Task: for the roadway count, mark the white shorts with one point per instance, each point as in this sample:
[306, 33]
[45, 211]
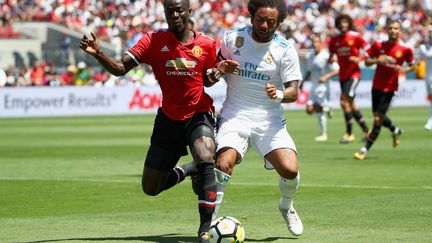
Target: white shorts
[319, 94]
[264, 136]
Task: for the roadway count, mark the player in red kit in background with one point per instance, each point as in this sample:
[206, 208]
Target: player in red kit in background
[389, 56]
[183, 62]
[347, 46]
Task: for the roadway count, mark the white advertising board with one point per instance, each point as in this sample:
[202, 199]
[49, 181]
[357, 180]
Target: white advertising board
[74, 101]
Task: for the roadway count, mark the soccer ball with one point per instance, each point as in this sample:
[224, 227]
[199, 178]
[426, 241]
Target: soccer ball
[226, 229]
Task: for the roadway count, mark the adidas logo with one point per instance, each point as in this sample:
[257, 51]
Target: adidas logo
[237, 53]
[165, 49]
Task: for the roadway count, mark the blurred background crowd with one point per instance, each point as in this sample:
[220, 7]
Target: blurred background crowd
[123, 22]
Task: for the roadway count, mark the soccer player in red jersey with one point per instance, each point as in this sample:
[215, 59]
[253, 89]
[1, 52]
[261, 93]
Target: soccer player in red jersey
[389, 56]
[347, 46]
[183, 62]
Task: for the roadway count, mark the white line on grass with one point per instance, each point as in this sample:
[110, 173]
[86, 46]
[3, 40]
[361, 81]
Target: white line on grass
[379, 187]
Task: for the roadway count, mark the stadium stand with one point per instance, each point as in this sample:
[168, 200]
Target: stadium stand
[120, 23]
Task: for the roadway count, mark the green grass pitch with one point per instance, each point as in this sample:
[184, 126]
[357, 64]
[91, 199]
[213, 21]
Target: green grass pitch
[78, 180]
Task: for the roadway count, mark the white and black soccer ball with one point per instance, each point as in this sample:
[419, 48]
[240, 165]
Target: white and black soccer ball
[226, 229]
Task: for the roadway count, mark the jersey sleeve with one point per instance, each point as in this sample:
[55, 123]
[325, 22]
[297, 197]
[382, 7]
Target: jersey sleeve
[331, 47]
[362, 43]
[211, 59]
[140, 52]
[409, 56]
[333, 66]
[290, 67]
[224, 49]
[373, 51]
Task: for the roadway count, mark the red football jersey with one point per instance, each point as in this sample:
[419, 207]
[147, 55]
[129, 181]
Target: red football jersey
[345, 46]
[179, 70]
[386, 76]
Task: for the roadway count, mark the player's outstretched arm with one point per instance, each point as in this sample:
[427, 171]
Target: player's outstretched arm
[228, 66]
[117, 68]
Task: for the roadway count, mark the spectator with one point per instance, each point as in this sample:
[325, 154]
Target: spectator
[83, 75]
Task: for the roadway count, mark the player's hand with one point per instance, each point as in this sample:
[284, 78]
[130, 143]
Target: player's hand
[400, 68]
[271, 90]
[228, 66]
[92, 47]
[384, 60]
[323, 79]
[213, 75]
[354, 59]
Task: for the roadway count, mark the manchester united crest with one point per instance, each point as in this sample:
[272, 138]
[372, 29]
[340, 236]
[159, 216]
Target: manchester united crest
[398, 54]
[239, 41]
[197, 51]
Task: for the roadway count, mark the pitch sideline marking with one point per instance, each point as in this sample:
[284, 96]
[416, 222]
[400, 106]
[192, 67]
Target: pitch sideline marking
[232, 183]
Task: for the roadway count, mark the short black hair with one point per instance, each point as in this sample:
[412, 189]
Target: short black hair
[280, 5]
[341, 17]
[392, 21]
[187, 3]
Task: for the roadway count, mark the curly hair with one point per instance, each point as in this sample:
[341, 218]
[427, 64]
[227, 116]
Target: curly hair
[341, 17]
[280, 5]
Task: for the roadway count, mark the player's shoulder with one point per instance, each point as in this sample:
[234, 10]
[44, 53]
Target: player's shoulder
[281, 41]
[158, 32]
[231, 34]
[353, 33]
[403, 44]
[203, 37]
[378, 42]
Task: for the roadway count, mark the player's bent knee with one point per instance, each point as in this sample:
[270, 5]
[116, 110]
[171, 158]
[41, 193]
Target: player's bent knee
[150, 190]
[224, 167]
[289, 174]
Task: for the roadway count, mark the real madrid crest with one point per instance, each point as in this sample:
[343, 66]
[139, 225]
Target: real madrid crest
[269, 58]
[239, 41]
[197, 51]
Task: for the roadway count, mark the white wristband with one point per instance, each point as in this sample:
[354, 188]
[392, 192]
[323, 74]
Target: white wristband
[279, 96]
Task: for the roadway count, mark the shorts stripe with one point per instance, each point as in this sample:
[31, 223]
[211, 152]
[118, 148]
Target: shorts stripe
[353, 87]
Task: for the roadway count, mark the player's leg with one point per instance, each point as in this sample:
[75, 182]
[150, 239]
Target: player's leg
[159, 173]
[358, 116]
[226, 159]
[284, 161]
[380, 105]
[428, 125]
[165, 150]
[279, 149]
[233, 141]
[202, 146]
[322, 121]
[346, 108]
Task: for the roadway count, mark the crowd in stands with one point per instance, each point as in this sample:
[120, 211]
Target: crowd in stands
[123, 22]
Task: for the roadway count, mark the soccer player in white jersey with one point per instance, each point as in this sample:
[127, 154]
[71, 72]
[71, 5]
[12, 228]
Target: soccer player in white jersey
[320, 71]
[426, 54]
[262, 71]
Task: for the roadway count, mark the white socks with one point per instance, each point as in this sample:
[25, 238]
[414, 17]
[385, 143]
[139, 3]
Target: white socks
[222, 179]
[322, 120]
[288, 190]
[219, 198]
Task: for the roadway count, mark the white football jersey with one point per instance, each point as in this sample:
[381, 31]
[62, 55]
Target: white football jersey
[275, 62]
[426, 54]
[318, 66]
